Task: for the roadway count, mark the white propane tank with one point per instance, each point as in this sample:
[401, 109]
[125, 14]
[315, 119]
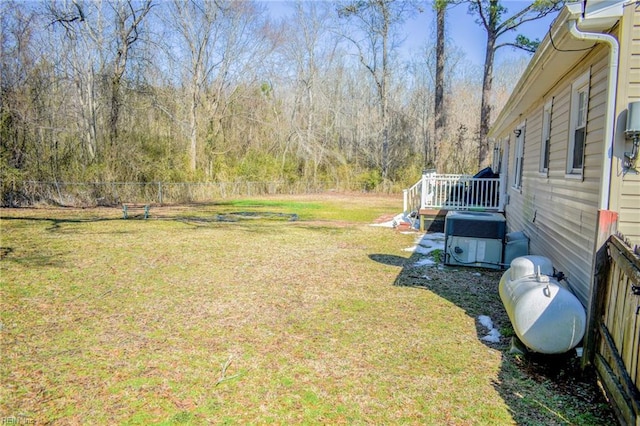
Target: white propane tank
[546, 317]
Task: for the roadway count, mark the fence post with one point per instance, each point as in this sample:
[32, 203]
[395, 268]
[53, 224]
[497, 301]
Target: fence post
[607, 226]
[12, 192]
[59, 193]
[160, 193]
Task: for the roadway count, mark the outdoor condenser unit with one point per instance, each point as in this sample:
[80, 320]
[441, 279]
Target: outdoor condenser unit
[474, 239]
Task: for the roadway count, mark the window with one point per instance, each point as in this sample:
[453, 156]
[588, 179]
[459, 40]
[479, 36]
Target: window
[578, 124]
[518, 156]
[546, 137]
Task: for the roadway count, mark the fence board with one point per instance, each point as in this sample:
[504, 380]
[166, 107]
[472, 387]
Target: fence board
[612, 297]
[618, 351]
[617, 329]
[621, 404]
[629, 319]
[632, 356]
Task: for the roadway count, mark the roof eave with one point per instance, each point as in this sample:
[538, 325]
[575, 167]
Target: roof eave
[534, 81]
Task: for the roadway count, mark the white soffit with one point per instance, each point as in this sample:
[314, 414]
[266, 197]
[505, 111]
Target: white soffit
[547, 64]
[601, 14]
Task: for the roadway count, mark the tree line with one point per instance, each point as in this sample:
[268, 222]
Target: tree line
[217, 90]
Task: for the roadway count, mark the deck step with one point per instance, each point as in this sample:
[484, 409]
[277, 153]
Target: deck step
[432, 220]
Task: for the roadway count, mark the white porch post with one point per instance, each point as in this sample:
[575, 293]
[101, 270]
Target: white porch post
[405, 201]
[427, 176]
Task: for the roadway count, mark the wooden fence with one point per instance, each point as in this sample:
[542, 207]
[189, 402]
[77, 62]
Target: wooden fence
[617, 349]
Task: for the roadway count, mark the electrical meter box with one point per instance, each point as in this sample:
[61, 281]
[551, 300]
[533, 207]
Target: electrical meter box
[474, 239]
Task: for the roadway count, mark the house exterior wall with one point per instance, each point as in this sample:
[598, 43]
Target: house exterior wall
[556, 210]
[560, 211]
[626, 187]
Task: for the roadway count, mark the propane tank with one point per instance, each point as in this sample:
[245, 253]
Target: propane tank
[545, 316]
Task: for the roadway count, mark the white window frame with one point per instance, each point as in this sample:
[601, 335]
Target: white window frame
[518, 157]
[578, 122]
[545, 149]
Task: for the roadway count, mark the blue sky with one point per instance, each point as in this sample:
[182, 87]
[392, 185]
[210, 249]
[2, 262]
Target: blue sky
[461, 27]
[465, 33]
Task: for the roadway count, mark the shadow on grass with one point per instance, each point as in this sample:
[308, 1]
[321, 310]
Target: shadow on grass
[538, 389]
[236, 216]
[56, 223]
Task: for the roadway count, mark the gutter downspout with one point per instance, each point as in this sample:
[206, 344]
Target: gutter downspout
[607, 219]
[611, 102]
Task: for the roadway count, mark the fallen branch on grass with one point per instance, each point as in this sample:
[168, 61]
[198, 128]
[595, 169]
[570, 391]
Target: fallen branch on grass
[223, 372]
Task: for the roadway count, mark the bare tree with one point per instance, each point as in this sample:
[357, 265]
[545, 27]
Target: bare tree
[439, 123]
[311, 50]
[378, 22]
[198, 24]
[195, 89]
[218, 41]
[129, 16]
[492, 15]
[16, 65]
[98, 36]
[76, 27]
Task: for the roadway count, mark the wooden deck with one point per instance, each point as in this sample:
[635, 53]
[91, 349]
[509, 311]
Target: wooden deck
[434, 195]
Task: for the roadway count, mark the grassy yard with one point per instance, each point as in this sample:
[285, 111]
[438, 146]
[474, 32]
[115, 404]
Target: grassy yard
[217, 314]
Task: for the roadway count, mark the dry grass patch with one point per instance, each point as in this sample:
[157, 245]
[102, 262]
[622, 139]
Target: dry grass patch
[185, 319]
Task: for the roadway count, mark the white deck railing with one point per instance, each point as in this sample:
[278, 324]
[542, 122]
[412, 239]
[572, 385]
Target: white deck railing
[453, 192]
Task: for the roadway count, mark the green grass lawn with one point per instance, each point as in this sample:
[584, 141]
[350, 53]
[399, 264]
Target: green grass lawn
[187, 319]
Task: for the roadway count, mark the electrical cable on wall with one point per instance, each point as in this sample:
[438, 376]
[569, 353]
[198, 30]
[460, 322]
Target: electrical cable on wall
[553, 44]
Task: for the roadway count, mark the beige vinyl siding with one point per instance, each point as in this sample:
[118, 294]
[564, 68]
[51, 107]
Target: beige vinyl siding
[559, 133]
[634, 61]
[533, 143]
[629, 91]
[596, 123]
[630, 210]
[557, 210]
[559, 213]
[633, 89]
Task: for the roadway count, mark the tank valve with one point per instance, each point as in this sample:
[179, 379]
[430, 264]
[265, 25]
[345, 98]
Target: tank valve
[540, 277]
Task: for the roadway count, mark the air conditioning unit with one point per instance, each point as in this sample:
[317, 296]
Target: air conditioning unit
[474, 239]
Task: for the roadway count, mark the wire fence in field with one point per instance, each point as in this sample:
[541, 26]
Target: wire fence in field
[86, 194]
